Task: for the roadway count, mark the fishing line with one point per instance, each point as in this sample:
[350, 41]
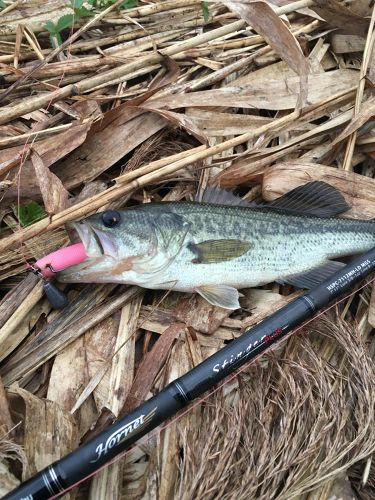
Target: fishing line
[198, 402]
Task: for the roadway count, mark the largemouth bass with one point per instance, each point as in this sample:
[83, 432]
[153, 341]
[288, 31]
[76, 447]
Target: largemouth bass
[221, 245]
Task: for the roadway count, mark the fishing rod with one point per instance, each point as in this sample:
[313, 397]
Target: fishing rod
[91, 456]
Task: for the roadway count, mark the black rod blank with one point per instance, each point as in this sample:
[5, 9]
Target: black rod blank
[55, 479]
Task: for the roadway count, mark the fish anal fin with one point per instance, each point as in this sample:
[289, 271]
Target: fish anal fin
[220, 295]
[314, 277]
[314, 198]
[211, 251]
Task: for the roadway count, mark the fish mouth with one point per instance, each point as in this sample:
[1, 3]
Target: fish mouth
[96, 242]
[100, 254]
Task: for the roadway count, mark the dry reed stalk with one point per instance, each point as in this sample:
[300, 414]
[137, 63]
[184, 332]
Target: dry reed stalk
[61, 47]
[120, 381]
[34, 103]
[366, 60]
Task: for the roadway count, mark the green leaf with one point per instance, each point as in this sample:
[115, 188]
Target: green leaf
[51, 27]
[2, 5]
[83, 12]
[76, 4]
[58, 38]
[30, 213]
[129, 4]
[206, 12]
[64, 22]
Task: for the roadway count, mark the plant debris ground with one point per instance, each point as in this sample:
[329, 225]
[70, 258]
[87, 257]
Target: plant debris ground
[110, 103]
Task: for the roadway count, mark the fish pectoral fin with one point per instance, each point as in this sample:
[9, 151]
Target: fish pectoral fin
[314, 198]
[220, 295]
[314, 277]
[211, 251]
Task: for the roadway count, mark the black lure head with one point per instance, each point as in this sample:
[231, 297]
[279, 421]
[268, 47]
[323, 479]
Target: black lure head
[56, 297]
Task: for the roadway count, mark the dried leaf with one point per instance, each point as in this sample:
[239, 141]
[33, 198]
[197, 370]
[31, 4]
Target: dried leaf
[50, 432]
[169, 446]
[180, 119]
[69, 375]
[343, 44]
[15, 297]
[151, 364]
[55, 196]
[121, 373]
[198, 313]
[6, 423]
[107, 146]
[267, 23]
[53, 148]
[276, 94]
[367, 111]
[50, 151]
[250, 168]
[215, 123]
[340, 16]
[371, 71]
[172, 73]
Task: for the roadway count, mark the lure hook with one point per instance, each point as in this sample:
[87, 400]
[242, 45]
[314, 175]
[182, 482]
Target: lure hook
[56, 297]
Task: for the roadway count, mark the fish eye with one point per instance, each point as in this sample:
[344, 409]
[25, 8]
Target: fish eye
[111, 218]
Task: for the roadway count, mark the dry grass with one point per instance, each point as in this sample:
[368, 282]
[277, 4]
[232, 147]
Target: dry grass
[286, 428]
[155, 103]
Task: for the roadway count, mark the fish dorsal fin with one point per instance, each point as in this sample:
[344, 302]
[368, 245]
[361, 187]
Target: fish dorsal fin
[218, 196]
[314, 198]
[315, 276]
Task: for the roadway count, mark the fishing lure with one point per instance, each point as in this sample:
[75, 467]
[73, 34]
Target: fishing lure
[47, 268]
